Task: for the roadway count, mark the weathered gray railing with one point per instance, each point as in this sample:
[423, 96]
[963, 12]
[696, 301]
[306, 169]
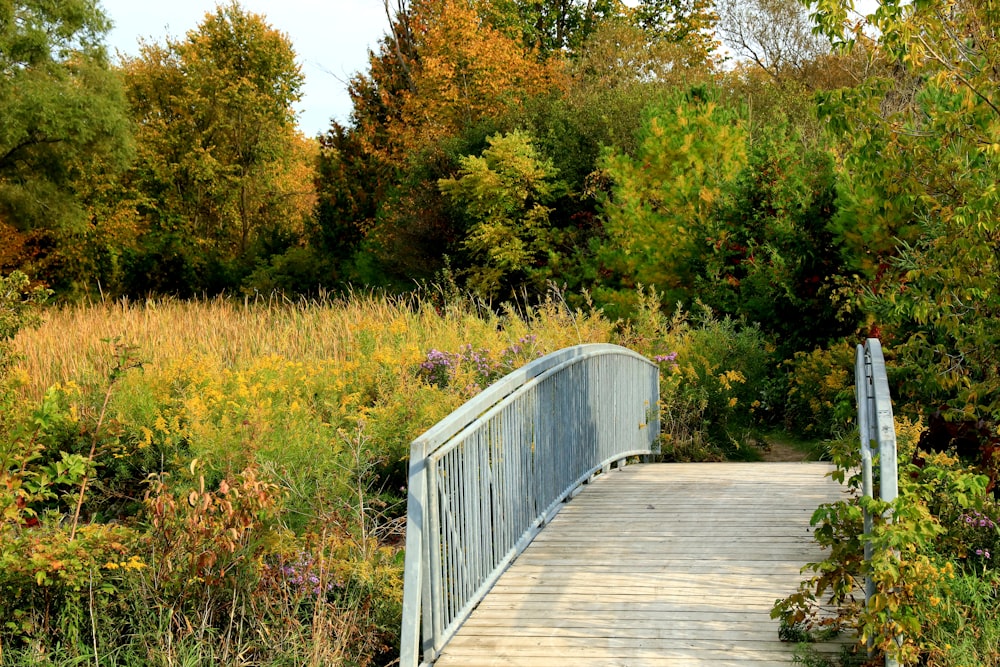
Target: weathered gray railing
[876, 425]
[484, 480]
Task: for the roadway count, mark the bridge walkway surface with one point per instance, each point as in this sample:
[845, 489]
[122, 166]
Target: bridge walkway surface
[657, 565]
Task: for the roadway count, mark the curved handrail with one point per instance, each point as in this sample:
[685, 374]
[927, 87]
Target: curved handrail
[875, 424]
[484, 480]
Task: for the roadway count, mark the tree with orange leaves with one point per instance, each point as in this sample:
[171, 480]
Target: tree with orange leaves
[465, 71]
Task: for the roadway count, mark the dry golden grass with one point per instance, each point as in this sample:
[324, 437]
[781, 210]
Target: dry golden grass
[71, 344]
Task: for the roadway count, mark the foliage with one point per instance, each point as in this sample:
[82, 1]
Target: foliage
[747, 219]
[51, 571]
[448, 76]
[920, 198]
[504, 194]
[688, 21]
[465, 70]
[713, 379]
[769, 247]
[62, 108]
[820, 390]
[548, 28]
[776, 35]
[715, 388]
[786, 107]
[349, 187]
[932, 564]
[658, 214]
[226, 195]
[63, 130]
[967, 633]
[444, 368]
[220, 163]
[215, 537]
[19, 305]
[619, 73]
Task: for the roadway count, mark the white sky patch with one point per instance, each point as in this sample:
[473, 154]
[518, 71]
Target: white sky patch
[331, 39]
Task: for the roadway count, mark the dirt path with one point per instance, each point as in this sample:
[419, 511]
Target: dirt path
[783, 452]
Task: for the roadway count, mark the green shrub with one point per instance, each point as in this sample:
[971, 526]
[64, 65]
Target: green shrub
[933, 565]
[715, 384]
[820, 391]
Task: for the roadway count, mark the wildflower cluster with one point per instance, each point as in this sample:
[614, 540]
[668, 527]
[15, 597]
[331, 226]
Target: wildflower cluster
[440, 368]
[437, 369]
[302, 577]
[979, 534]
[666, 359]
[485, 369]
[523, 344]
[975, 518]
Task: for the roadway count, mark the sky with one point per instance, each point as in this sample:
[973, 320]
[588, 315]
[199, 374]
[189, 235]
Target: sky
[331, 39]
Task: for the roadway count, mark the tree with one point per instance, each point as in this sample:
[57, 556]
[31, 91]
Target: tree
[443, 80]
[772, 260]
[63, 121]
[658, 216]
[504, 195]
[774, 34]
[920, 198]
[618, 74]
[548, 28]
[467, 71]
[378, 95]
[217, 140]
[679, 21]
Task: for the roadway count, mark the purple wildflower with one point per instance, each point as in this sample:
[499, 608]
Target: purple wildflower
[301, 577]
[666, 359]
[976, 518]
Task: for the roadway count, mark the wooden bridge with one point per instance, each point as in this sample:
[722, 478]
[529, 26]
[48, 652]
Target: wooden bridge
[638, 565]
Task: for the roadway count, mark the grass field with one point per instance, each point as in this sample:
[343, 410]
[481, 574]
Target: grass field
[222, 481]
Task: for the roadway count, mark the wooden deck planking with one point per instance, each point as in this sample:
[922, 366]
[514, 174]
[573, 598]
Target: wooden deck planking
[658, 565]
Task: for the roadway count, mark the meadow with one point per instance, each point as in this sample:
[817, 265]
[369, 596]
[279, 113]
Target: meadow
[224, 480]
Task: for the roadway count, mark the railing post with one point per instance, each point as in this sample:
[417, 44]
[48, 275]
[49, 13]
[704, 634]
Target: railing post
[863, 394]
[875, 424]
[409, 646]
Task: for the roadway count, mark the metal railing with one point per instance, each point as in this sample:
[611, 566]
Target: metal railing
[485, 480]
[876, 425]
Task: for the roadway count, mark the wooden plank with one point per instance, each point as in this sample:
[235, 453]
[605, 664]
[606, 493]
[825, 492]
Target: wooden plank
[657, 565]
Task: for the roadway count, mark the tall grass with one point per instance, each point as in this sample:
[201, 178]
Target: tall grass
[69, 345]
[262, 444]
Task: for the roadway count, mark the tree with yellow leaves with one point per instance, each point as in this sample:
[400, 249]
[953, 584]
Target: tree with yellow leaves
[218, 147]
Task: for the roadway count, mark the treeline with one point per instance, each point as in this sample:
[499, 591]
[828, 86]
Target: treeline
[816, 184]
[499, 145]
[173, 172]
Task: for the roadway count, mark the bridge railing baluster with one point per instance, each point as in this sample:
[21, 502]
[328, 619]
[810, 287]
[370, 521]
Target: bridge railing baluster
[484, 480]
